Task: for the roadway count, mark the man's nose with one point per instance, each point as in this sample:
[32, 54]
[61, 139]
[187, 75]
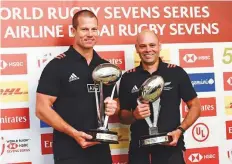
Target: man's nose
[148, 48]
[90, 33]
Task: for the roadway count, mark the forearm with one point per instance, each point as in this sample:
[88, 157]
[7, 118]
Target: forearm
[50, 117]
[191, 117]
[126, 117]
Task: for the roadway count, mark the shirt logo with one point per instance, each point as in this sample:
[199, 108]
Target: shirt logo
[167, 86]
[73, 77]
[91, 88]
[134, 89]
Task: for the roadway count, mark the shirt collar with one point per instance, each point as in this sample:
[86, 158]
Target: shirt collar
[73, 53]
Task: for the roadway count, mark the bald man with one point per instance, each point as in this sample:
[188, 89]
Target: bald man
[177, 86]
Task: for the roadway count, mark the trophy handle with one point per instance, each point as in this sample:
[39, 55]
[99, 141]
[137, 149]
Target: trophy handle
[148, 120]
[107, 117]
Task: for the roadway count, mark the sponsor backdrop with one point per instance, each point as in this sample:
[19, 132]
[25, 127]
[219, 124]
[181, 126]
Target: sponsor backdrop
[194, 35]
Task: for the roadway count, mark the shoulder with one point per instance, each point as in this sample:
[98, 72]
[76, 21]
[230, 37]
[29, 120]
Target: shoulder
[172, 68]
[129, 73]
[56, 62]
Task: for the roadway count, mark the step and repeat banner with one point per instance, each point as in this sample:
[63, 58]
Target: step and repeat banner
[195, 35]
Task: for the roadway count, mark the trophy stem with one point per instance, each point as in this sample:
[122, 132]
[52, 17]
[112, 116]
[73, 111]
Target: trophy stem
[101, 104]
[148, 120]
[156, 110]
[111, 97]
[97, 104]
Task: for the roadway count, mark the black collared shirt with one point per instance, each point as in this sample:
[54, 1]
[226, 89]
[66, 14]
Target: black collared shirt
[70, 80]
[177, 86]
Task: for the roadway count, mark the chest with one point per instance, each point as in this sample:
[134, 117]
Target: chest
[170, 90]
[77, 79]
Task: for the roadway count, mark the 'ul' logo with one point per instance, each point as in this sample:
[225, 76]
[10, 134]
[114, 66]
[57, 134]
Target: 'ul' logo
[200, 132]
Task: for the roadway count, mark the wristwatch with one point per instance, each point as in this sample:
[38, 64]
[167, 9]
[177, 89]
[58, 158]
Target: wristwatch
[181, 129]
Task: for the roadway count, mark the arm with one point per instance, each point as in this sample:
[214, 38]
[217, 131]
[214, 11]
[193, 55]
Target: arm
[193, 113]
[189, 95]
[45, 113]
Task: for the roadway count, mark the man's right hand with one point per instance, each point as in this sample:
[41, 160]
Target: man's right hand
[142, 111]
[82, 137]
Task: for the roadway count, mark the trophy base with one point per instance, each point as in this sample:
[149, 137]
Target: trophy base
[155, 139]
[103, 136]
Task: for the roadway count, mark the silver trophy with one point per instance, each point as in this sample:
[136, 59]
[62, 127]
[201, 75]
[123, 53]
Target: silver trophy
[150, 91]
[104, 74]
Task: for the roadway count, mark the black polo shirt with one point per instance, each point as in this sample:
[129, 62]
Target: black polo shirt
[70, 80]
[177, 86]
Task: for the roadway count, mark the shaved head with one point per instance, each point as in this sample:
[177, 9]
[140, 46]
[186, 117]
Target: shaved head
[148, 47]
[145, 33]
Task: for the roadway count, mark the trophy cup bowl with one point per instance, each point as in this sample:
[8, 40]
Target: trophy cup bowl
[150, 91]
[107, 74]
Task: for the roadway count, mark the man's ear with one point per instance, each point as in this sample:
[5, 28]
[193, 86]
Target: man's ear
[73, 30]
[136, 46]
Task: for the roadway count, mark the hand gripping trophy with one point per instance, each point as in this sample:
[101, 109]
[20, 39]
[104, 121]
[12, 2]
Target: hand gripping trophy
[107, 74]
[150, 91]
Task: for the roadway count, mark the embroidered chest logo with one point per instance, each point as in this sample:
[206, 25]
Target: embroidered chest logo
[134, 89]
[91, 88]
[167, 86]
[73, 77]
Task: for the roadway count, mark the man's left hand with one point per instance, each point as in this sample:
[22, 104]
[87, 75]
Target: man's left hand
[110, 106]
[175, 136]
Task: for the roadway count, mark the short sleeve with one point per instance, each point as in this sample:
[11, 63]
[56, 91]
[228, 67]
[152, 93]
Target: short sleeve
[187, 92]
[49, 82]
[124, 94]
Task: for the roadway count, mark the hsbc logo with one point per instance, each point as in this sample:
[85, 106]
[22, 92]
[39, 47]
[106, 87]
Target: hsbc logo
[202, 155]
[3, 64]
[196, 57]
[200, 132]
[227, 81]
[190, 58]
[13, 64]
[195, 157]
[10, 146]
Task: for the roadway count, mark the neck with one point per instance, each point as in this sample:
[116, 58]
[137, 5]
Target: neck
[86, 53]
[151, 68]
